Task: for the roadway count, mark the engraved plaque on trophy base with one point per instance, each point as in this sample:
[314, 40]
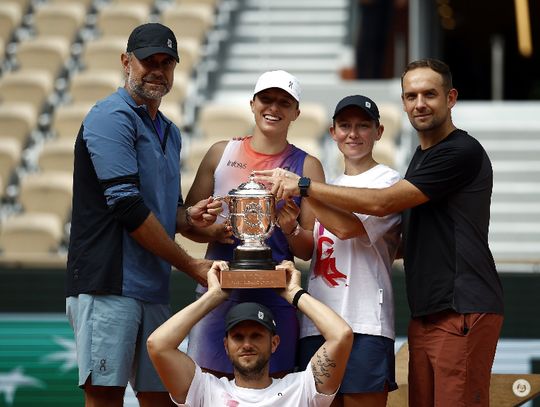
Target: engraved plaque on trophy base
[253, 269]
[253, 278]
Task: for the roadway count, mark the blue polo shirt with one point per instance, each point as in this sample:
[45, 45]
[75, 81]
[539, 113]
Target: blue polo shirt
[123, 170]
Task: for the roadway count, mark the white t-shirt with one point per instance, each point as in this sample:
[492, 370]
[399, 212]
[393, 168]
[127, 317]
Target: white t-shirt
[294, 390]
[353, 276]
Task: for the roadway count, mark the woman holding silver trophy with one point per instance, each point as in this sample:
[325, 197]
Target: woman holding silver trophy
[226, 168]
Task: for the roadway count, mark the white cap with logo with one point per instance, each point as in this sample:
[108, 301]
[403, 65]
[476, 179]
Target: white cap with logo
[279, 79]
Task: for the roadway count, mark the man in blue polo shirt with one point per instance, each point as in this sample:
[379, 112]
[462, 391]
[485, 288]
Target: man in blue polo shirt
[127, 207]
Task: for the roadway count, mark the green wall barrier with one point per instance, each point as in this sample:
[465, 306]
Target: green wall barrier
[37, 363]
[33, 290]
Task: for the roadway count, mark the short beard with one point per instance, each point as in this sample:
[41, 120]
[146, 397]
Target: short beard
[139, 89]
[251, 373]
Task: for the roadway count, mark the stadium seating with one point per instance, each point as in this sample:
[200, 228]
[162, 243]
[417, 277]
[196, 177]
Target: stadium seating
[26, 85]
[47, 192]
[85, 3]
[46, 52]
[120, 19]
[10, 18]
[179, 90]
[307, 130]
[17, 119]
[23, 4]
[173, 112]
[313, 122]
[57, 155]
[62, 20]
[10, 154]
[30, 234]
[189, 20]
[146, 3]
[187, 178]
[220, 121]
[103, 53]
[385, 152]
[189, 51]
[67, 119]
[212, 3]
[91, 85]
[391, 118]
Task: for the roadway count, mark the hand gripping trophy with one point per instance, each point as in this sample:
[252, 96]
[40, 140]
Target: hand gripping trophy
[252, 215]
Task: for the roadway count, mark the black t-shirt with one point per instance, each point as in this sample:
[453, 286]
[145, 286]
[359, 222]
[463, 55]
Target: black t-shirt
[448, 263]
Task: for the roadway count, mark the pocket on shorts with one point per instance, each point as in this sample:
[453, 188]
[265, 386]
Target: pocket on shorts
[470, 320]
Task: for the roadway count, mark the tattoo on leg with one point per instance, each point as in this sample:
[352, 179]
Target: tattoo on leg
[321, 365]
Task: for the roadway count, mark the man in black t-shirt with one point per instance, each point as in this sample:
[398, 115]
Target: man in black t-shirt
[453, 288]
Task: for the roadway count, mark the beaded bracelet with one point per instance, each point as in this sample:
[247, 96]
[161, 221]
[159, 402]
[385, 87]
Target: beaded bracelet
[294, 232]
[189, 221]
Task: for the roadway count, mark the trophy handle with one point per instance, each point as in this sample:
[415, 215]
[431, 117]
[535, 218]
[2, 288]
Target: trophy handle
[225, 199]
[221, 198]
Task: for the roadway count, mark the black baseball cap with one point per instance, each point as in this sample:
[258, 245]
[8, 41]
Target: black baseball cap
[152, 38]
[363, 102]
[250, 311]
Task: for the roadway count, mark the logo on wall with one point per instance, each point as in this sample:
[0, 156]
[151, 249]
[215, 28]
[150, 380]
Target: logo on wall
[521, 388]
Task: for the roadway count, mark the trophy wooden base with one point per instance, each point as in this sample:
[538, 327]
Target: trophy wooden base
[240, 278]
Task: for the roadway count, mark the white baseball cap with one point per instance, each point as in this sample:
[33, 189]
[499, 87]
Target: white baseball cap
[279, 79]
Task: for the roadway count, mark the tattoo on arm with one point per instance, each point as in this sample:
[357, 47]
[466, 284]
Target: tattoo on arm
[322, 365]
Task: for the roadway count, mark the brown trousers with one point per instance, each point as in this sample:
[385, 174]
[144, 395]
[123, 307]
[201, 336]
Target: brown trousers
[450, 358]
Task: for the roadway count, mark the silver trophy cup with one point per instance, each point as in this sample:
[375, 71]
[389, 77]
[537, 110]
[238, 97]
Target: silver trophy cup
[252, 215]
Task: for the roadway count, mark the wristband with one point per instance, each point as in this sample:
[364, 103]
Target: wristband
[297, 296]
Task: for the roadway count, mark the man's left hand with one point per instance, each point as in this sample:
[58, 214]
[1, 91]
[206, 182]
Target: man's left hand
[204, 213]
[294, 279]
[284, 183]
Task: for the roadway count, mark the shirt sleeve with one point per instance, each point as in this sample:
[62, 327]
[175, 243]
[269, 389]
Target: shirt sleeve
[376, 227]
[315, 398]
[110, 138]
[447, 168]
[195, 391]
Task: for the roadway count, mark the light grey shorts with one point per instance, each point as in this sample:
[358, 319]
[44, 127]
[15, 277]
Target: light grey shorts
[110, 334]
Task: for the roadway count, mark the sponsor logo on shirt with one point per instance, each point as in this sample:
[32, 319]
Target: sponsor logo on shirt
[236, 164]
[325, 263]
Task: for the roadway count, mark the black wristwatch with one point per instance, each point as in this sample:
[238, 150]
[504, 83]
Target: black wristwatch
[303, 184]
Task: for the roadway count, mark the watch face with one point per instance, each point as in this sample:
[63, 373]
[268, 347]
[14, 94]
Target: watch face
[304, 182]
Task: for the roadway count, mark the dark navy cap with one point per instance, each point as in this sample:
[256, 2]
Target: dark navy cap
[250, 311]
[152, 38]
[363, 102]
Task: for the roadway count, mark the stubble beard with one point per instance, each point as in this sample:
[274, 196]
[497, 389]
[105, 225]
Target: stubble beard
[253, 372]
[433, 124]
[138, 88]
